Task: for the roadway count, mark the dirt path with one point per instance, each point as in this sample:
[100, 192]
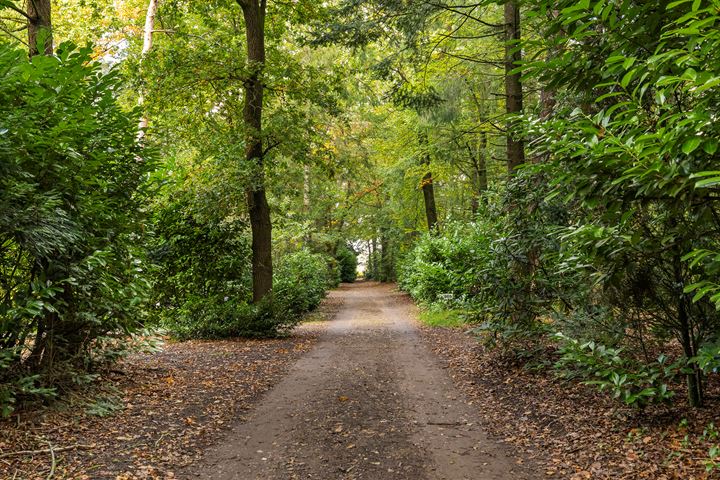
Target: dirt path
[370, 401]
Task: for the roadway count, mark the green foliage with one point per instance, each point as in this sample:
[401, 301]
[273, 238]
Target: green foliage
[198, 257]
[708, 358]
[71, 187]
[631, 382]
[445, 264]
[638, 162]
[347, 261]
[105, 406]
[301, 281]
[302, 278]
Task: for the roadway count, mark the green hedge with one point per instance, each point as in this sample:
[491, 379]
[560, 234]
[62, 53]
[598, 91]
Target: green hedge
[301, 280]
[347, 261]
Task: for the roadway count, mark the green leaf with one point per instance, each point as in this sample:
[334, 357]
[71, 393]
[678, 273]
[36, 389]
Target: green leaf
[672, 5]
[710, 146]
[627, 78]
[708, 182]
[690, 145]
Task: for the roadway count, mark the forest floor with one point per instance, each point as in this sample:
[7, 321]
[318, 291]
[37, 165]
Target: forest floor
[369, 395]
[155, 412]
[573, 431]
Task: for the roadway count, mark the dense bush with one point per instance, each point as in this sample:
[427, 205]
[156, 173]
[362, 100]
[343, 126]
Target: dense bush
[520, 274]
[445, 264]
[633, 382]
[301, 280]
[71, 174]
[347, 261]
[199, 258]
[640, 164]
[214, 300]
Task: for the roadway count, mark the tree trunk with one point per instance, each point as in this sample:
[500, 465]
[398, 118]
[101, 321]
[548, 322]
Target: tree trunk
[40, 23]
[480, 179]
[687, 338]
[147, 46]
[306, 189]
[513, 87]
[40, 20]
[259, 210]
[427, 185]
[386, 270]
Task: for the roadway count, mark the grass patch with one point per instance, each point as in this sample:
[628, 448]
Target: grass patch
[438, 317]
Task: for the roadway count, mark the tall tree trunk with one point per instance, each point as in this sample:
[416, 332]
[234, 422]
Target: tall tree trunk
[39, 14]
[262, 270]
[306, 201]
[147, 46]
[480, 178]
[386, 266]
[40, 20]
[482, 185]
[513, 87]
[306, 189]
[427, 185]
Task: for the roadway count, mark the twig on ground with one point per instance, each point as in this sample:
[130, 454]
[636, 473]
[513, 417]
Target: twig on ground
[47, 450]
[52, 461]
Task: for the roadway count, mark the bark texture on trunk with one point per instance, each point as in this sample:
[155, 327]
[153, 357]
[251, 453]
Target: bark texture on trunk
[428, 188]
[513, 87]
[147, 46]
[262, 269]
[479, 172]
[40, 18]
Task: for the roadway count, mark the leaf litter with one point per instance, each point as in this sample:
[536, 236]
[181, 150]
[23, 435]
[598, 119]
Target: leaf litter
[573, 430]
[154, 413]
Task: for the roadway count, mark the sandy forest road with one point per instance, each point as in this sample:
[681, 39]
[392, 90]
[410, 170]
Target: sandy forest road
[370, 401]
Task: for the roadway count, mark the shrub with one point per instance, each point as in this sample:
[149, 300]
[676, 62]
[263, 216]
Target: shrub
[347, 260]
[632, 382]
[300, 282]
[444, 264]
[198, 256]
[71, 190]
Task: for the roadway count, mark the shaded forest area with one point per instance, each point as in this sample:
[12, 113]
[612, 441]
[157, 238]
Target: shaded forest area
[542, 174]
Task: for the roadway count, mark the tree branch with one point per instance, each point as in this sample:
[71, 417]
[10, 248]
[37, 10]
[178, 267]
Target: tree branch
[20, 11]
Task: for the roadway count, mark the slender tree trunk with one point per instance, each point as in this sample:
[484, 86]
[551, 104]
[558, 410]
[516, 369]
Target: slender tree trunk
[687, 339]
[386, 272]
[513, 87]
[147, 46]
[40, 23]
[306, 201]
[306, 188]
[262, 270]
[480, 178]
[482, 164]
[427, 185]
[40, 13]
